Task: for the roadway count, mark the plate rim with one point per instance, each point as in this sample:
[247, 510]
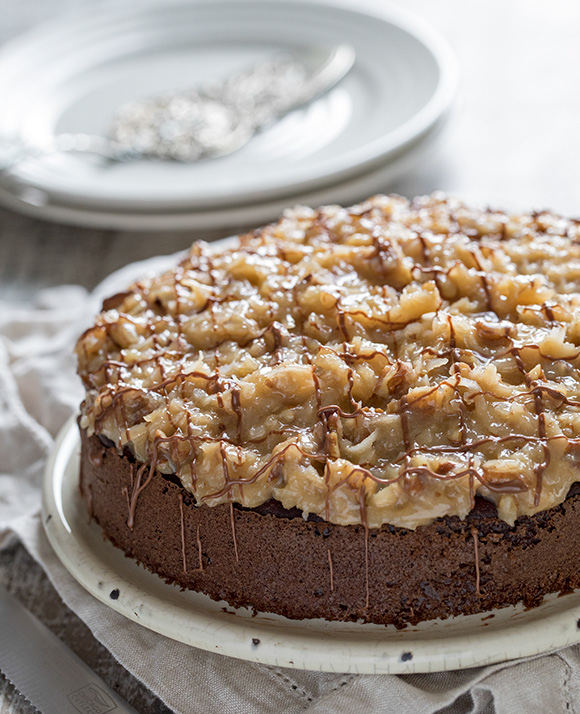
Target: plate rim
[289, 643]
[358, 188]
[332, 169]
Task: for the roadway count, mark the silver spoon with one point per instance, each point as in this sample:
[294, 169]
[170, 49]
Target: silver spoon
[207, 122]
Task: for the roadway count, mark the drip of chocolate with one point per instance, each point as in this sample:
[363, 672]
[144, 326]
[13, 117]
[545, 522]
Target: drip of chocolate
[182, 528]
[330, 570]
[475, 537]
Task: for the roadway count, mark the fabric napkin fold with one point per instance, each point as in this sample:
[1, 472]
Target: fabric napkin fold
[39, 390]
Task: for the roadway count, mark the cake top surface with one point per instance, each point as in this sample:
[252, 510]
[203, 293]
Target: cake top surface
[378, 364]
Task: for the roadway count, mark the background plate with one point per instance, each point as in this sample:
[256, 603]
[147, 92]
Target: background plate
[196, 620]
[70, 76]
[38, 203]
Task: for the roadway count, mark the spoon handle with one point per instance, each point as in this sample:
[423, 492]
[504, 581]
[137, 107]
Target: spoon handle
[14, 152]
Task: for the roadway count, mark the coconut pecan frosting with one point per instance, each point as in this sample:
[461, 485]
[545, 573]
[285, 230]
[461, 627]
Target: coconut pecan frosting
[379, 364]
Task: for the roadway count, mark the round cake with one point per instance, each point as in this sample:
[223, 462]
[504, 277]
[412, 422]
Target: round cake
[367, 413]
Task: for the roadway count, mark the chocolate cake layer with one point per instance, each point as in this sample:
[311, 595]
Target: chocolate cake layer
[275, 561]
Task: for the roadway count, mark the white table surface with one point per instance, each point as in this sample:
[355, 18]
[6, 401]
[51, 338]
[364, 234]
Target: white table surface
[513, 141]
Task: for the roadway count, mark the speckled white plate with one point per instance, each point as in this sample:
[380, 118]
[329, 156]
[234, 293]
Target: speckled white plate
[308, 644]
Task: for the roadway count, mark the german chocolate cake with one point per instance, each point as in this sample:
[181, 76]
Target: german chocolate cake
[367, 413]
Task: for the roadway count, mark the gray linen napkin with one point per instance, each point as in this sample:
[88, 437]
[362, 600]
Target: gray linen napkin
[38, 391]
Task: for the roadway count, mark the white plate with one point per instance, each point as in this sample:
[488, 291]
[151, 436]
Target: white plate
[308, 644]
[70, 75]
[39, 204]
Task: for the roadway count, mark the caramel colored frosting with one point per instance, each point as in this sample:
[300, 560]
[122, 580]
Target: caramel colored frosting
[378, 364]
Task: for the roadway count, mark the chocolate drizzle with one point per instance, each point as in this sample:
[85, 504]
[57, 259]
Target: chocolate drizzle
[402, 302]
[139, 485]
[474, 535]
[233, 526]
[365, 522]
[182, 529]
[330, 570]
[236, 406]
[199, 549]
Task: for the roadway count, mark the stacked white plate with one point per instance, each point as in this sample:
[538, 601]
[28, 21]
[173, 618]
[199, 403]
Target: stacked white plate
[71, 75]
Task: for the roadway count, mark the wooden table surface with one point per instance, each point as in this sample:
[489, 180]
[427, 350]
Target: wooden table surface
[512, 141]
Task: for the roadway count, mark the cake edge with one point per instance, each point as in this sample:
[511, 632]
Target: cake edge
[313, 569]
